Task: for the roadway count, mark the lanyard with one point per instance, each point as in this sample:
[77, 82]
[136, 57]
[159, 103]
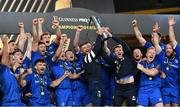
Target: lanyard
[42, 83]
[118, 64]
[167, 63]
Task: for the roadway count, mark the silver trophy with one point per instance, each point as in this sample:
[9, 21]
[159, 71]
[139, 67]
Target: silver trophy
[97, 23]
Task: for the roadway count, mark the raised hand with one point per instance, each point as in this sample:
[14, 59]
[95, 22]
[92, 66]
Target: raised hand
[40, 20]
[5, 39]
[21, 25]
[79, 28]
[155, 38]
[156, 27]
[35, 21]
[134, 23]
[100, 30]
[171, 21]
[106, 30]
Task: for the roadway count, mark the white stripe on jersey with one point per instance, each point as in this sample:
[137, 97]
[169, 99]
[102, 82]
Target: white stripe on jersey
[93, 54]
[85, 59]
[89, 57]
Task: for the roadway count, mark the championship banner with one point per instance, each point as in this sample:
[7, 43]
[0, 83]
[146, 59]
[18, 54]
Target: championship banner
[70, 19]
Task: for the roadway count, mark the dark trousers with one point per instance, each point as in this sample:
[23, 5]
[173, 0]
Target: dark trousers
[125, 92]
[96, 93]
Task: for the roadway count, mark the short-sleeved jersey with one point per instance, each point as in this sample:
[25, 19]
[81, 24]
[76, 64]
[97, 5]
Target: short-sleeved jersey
[148, 45]
[58, 71]
[149, 82]
[9, 85]
[36, 82]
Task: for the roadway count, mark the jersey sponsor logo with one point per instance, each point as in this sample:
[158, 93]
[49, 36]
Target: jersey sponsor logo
[36, 81]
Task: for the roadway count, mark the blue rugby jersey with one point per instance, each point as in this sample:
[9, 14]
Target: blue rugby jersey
[9, 87]
[58, 71]
[170, 67]
[149, 82]
[148, 45]
[36, 82]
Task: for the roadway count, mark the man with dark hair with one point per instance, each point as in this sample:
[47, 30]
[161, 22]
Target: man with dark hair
[9, 87]
[8, 82]
[39, 84]
[39, 52]
[137, 55]
[12, 46]
[92, 67]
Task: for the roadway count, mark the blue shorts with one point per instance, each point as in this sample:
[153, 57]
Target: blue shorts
[80, 97]
[168, 99]
[153, 96]
[63, 97]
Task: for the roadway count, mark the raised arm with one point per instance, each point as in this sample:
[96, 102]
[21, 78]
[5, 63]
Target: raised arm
[39, 27]
[150, 72]
[138, 34]
[76, 38]
[17, 39]
[156, 27]
[22, 36]
[172, 37]
[29, 47]
[5, 53]
[56, 25]
[59, 49]
[99, 41]
[155, 41]
[35, 35]
[106, 49]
